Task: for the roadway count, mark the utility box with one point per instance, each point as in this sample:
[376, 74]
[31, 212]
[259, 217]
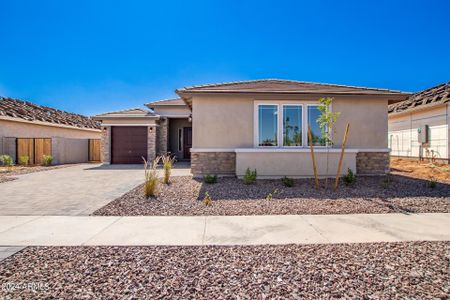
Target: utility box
[422, 134]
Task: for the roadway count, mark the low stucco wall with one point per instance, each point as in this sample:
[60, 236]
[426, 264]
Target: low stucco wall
[292, 164]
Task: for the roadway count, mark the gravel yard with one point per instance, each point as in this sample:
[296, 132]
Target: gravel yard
[231, 197]
[371, 271]
[7, 173]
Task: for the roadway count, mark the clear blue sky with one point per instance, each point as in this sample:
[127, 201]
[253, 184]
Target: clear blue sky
[96, 56]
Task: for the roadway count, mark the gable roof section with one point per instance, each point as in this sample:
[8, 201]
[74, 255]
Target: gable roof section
[132, 112]
[284, 86]
[166, 102]
[28, 111]
[436, 95]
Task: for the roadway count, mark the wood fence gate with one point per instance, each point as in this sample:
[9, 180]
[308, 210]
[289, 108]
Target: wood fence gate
[34, 148]
[94, 149]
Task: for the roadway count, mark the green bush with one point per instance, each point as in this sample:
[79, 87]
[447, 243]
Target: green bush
[250, 176]
[24, 160]
[47, 160]
[288, 182]
[6, 160]
[432, 183]
[349, 178]
[211, 179]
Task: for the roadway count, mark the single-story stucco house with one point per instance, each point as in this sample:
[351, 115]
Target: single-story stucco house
[421, 123]
[28, 129]
[226, 128]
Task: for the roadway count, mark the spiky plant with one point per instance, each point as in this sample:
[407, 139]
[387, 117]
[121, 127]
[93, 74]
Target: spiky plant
[207, 200]
[167, 167]
[151, 177]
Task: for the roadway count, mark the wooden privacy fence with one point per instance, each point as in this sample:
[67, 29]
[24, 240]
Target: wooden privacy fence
[34, 148]
[94, 149]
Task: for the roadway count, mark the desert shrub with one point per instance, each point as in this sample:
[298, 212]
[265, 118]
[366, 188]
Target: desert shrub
[349, 178]
[250, 176]
[207, 200]
[151, 177]
[211, 179]
[288, 182]
[24, 160]
[47, 160]
[432, 183]
[6, 160]
[270, 195]
[167, 167]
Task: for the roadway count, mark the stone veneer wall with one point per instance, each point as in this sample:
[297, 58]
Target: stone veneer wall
[162, 136]
[105, 155]
[151, 143]
[214, 163]
[372, 163]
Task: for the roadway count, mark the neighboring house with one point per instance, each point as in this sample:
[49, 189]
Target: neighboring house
[258, 124]
[427, 111]
[33, 130]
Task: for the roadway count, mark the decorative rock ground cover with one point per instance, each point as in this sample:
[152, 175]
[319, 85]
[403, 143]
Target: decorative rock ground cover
[5, 173]
[416, 270]
[231, 197]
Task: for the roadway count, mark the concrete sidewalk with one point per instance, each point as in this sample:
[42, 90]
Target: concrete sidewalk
[221, 230]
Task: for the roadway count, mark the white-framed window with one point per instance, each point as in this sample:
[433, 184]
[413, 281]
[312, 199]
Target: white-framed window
[180, 139]
[285, 124]
[268, 125]
[316, 132]
[292, 125]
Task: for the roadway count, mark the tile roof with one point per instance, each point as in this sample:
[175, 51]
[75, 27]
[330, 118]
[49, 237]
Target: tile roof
[284, 86]
[129, 111]
[33, 112]
[175, 101]
[436, 95]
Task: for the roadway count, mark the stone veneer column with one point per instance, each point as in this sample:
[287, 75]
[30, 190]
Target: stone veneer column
[151, 143]
[372, 163]
[213, 163]
[162, 136]
[106, 145]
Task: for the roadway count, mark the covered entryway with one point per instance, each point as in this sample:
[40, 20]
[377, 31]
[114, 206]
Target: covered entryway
[128, 144]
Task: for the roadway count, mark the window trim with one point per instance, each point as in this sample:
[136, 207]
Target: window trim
[281, 104]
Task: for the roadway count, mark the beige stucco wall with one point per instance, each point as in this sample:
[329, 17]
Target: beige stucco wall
[128, 121]
[292, 164]
[172, 110]
[227, 121]
[28, 130]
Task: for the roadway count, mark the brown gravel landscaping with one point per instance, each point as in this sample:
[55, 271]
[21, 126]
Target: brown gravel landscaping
[368, 271]
[6, 173]
[231, 197]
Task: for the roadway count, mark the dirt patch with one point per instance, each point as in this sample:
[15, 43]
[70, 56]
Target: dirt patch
[420, 169]
[416, 270]
[231, 197]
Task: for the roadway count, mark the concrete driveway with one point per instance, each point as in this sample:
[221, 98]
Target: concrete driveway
[75, 190]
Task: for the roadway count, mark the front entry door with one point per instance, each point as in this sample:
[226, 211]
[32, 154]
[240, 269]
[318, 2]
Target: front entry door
[187, 142]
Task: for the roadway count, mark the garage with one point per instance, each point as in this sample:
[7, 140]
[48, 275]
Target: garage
[128, 144]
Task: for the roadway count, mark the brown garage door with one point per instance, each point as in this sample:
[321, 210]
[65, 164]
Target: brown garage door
[128, 144]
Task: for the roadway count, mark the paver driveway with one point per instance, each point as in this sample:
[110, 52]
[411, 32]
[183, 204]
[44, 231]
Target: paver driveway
[75, 190]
